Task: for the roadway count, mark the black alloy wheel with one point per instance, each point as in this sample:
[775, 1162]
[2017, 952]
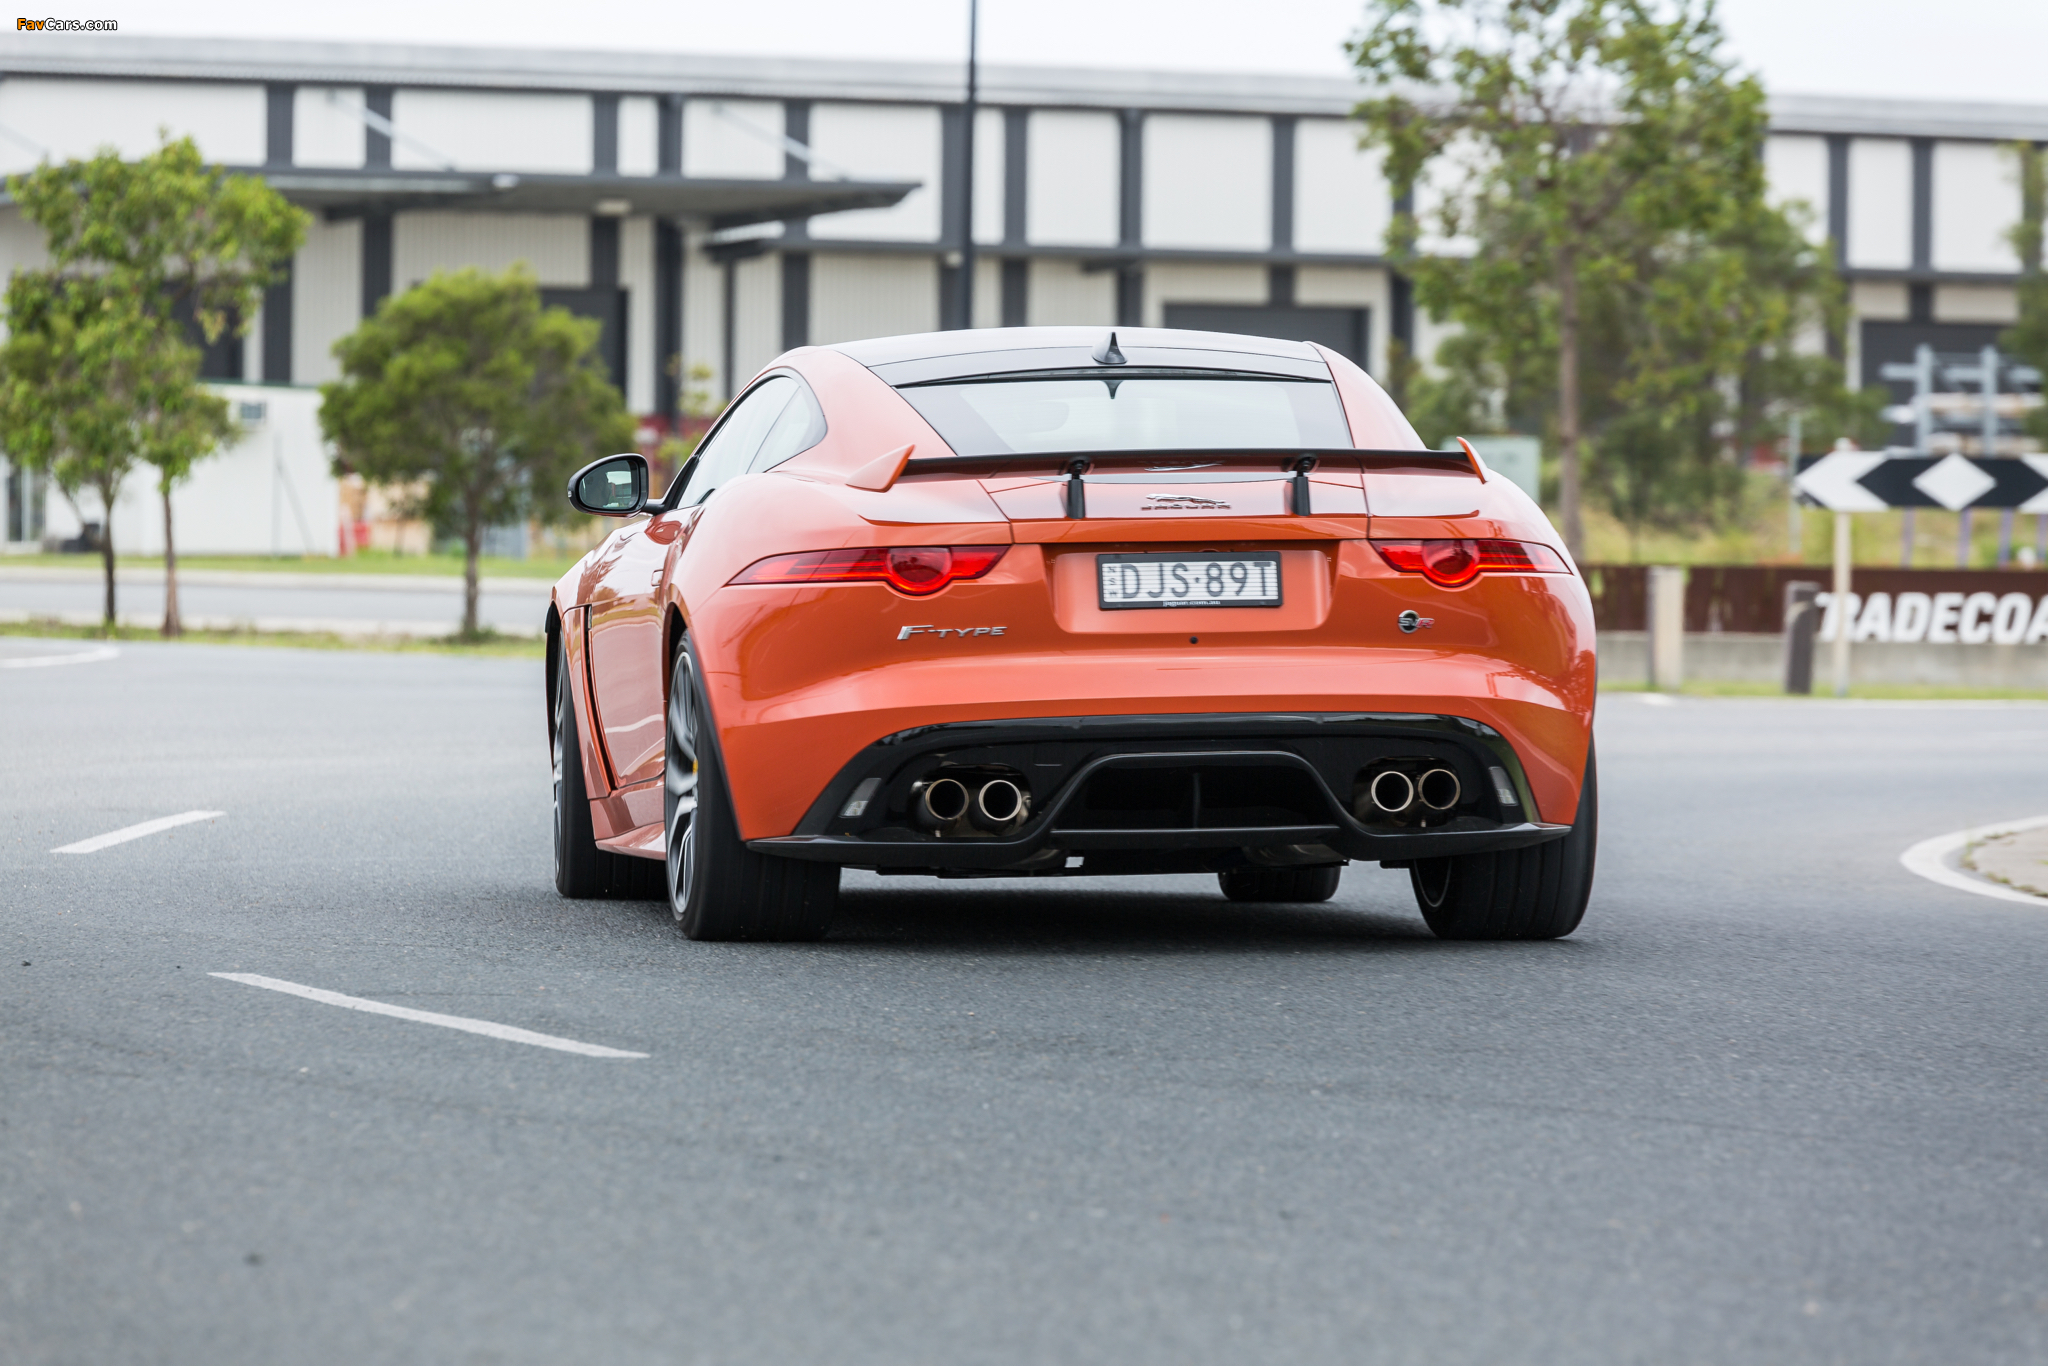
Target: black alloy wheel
[717, 887]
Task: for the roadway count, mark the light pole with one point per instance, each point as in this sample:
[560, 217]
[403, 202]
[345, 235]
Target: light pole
[965, 292]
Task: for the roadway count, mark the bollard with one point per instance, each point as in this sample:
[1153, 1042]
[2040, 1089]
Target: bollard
[1802, 626]
[1667, 626]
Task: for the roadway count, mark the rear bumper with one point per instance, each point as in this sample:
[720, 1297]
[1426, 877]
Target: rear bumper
[863, 818]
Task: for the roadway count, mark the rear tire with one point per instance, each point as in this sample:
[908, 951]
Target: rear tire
[717, 887]
[1534, 893]
[1282, 884]
[582, 870]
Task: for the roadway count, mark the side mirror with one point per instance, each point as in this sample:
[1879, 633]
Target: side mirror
[615, 486]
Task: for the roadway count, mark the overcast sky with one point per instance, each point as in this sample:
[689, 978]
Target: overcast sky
[1955, 49]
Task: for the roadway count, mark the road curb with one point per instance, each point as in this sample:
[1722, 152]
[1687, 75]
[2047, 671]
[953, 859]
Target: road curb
[1937, 860]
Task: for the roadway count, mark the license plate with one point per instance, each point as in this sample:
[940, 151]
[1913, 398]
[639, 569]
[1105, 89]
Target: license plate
[1209, 579]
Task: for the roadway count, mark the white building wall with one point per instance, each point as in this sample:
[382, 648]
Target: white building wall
[327, 295]
[988, 292]
[1881, 203]
[1976, 304]
[77, 118]
[1177, 282]
[1445, 180]
[636, 273]
[855, 296]
[22, 247]
[492, 131]
[703, 314]
[327, 130]
[1879, 301]
[1796, 169]
[1064, 295]
[1341, 199]
[557, 246]
[1351, 287]
[270, 491]
[732, 139]
[990, 156]
[1071, 173]
[639, 135]
[881, 142]
[1208, 181]
[1976, 203]
[757, 316]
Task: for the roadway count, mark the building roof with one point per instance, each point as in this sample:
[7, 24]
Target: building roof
[244, 59]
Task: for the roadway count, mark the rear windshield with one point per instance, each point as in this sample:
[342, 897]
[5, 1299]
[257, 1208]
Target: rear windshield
[1049, 414]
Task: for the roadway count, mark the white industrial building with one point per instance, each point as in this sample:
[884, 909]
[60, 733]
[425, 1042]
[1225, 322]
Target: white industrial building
[713, 211]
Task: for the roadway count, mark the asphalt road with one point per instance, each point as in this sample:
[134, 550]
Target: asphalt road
[349, 604]
[1778, 1100]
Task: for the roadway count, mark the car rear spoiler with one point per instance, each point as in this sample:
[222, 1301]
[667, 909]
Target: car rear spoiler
[883, 472]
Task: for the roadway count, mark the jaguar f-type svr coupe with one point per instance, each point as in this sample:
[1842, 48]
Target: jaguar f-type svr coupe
[1036, 602]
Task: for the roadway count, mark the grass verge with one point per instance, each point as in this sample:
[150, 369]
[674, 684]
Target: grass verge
[1908, 692]
[487, 645]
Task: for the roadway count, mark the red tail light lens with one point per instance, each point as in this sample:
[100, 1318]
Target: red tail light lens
[918, 570]
[1451, 563]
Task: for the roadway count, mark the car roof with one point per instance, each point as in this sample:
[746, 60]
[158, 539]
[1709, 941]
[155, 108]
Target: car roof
[926, 356]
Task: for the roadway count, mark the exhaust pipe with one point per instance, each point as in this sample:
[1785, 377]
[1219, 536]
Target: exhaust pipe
[1000, 804]
[1439, 789]
[1391, 792]
[942, 802]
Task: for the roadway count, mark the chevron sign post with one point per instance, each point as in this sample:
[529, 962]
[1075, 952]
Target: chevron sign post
[1870, 481]
[1847, 481]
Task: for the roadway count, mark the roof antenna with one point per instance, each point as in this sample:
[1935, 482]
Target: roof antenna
[1107, 354]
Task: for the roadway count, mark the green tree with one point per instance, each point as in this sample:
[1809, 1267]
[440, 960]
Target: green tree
[100, 371]
[1585, 139]
[466, 383]
[2028, 338]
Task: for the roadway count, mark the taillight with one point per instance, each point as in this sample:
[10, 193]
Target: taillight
[914, 569]
[1450, 563]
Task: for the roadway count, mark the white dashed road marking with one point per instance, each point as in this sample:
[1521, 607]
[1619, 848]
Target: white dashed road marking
[1929, 858]
[484, 1027]
[135, 832]
[92, 656]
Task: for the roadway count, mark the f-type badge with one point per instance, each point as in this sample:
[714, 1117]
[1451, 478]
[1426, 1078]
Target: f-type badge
[957, 632]
[1411, 622]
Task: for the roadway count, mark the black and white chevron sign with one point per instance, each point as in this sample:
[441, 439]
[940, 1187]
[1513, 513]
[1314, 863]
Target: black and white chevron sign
[1871, 481]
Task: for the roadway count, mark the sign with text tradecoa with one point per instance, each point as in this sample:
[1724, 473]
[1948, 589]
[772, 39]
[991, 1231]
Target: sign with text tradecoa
[1871, 481]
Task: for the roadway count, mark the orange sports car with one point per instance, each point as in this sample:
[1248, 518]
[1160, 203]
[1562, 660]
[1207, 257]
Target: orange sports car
[1033, 602]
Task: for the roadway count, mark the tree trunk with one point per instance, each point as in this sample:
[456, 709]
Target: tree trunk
[1568, 401]
[107, 550]
[472, 545]
[173, 626]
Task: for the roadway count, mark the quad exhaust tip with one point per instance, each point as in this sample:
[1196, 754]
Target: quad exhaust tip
[999, 803]
[943, 801]
[996, 805]
[1439, 789]
[1392, 791]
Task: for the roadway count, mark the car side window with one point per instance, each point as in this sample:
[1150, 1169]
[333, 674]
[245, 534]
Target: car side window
[730, 451]
[800, 426]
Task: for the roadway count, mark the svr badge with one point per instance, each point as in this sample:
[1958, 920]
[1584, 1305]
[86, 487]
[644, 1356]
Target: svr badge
[1411, 622]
